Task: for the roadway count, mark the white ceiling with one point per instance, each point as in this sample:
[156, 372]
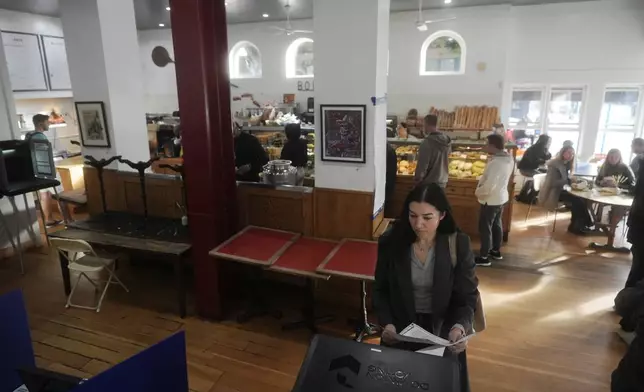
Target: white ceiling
[149, 13]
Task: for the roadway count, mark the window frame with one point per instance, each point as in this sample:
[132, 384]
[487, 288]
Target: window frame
[636, 131]
[291, 57]
[423, 53]
[233, 70]
[546, 95]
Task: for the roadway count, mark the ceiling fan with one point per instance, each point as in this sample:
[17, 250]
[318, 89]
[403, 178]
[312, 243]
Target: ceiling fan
[289, 29]
[421, 24]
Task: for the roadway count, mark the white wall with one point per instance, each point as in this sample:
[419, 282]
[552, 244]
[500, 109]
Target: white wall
[592, 44]
[38, 24]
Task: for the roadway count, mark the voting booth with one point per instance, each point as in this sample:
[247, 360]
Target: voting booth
[339, 365]
[161, 367]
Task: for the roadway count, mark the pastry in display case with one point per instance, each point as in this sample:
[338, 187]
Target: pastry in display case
[464, 164]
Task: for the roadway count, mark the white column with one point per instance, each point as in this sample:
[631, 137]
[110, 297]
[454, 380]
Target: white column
[104, 65]
[351, 45]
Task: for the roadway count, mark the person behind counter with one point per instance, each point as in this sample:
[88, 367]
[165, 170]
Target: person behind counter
[250, 156]
[638, 150]
[41, 125]
[532, 163]
[295, 150]
[552, 192]
[492, 194]
[416, 280]
[614, 172]
[433, 155]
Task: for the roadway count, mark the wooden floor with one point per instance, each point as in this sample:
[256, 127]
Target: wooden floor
[550, 322]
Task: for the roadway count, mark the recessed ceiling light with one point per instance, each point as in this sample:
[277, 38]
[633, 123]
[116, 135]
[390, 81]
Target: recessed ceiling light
[448, 1]
[225, 3]
[265, 15]
[167, 8]
[161, 25]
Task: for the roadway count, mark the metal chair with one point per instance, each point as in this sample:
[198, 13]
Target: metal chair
[83, 260]
[538, 180]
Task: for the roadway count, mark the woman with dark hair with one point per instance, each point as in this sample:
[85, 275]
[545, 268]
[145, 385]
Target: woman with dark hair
[416, 279]
[532, 163]
[294, 150]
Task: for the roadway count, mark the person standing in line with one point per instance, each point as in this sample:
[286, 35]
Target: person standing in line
[390, 184]
[250, 156]
[433, 155]
[295, 150]
[492, 193]
[638, 150]
[41, 125]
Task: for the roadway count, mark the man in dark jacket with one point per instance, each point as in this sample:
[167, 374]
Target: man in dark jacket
[390, 185]
[250, 156]
[433, 155]
[636, 231]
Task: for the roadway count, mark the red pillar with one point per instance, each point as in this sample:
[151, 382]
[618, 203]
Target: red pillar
[201, 56]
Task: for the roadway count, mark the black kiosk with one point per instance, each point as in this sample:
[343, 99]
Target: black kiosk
[25, 166]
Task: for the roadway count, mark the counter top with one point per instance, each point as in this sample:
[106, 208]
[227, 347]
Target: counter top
[289, 188]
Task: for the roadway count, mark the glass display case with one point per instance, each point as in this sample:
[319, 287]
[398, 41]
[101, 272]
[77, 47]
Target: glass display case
[467, 162]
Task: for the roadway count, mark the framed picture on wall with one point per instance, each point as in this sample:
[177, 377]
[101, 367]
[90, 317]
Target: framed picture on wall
[92, 124]
[343, 133]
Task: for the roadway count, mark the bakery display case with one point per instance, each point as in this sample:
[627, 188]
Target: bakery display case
[466, 165]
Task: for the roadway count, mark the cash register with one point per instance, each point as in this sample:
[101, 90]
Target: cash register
[25, 166]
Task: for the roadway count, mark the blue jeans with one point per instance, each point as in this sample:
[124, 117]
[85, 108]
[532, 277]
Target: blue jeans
[490, 228]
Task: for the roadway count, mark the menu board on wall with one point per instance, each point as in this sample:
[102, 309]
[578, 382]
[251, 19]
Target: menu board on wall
[56, 61]
[24, 60]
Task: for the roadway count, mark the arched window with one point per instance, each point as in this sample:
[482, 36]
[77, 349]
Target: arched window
[299, 59]
[443, 53]
[245, 61]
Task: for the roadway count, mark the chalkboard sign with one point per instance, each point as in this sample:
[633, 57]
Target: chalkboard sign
[24, 60]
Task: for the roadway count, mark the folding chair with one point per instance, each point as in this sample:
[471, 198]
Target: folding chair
[83, 260]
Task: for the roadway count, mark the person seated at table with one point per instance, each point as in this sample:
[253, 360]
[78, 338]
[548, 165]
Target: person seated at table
[552, 192]
[533, 162]
[416, 280]
[614, 172]
[295, 150]
[250, 156]
[638, 150]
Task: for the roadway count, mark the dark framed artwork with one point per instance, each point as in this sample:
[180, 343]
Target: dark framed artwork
[92, 124]
[343, 133]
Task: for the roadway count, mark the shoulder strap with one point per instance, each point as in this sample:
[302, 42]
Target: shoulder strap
[452, 249]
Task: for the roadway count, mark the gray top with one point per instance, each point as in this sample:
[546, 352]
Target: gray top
[422, 280]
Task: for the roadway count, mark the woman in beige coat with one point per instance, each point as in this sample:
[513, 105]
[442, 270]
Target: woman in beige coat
[552, 193]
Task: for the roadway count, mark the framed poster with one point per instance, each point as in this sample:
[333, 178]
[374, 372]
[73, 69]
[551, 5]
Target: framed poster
[343, 133]
[92, 124]
[24, 61]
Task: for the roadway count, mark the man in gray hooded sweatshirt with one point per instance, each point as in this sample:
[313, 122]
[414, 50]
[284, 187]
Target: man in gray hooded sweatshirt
[433, 155]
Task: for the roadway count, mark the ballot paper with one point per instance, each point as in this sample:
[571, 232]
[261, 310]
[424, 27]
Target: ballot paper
[435, 344]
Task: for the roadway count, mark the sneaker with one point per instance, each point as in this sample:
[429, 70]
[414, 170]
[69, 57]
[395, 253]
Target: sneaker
[482, 262]
[496, 255]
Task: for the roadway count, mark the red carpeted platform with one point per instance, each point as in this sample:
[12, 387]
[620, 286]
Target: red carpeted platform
[255, 245]
[352, 259]
[304, 257]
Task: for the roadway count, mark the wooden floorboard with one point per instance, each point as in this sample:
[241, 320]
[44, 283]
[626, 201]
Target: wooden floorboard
[550, 322]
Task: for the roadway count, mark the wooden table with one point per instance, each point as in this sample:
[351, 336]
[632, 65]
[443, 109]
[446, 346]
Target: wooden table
[302, 259]
[621, 204]
[176, 250]
[355, 259]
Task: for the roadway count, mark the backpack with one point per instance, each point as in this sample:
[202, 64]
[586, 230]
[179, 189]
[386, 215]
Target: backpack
[479, 314]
